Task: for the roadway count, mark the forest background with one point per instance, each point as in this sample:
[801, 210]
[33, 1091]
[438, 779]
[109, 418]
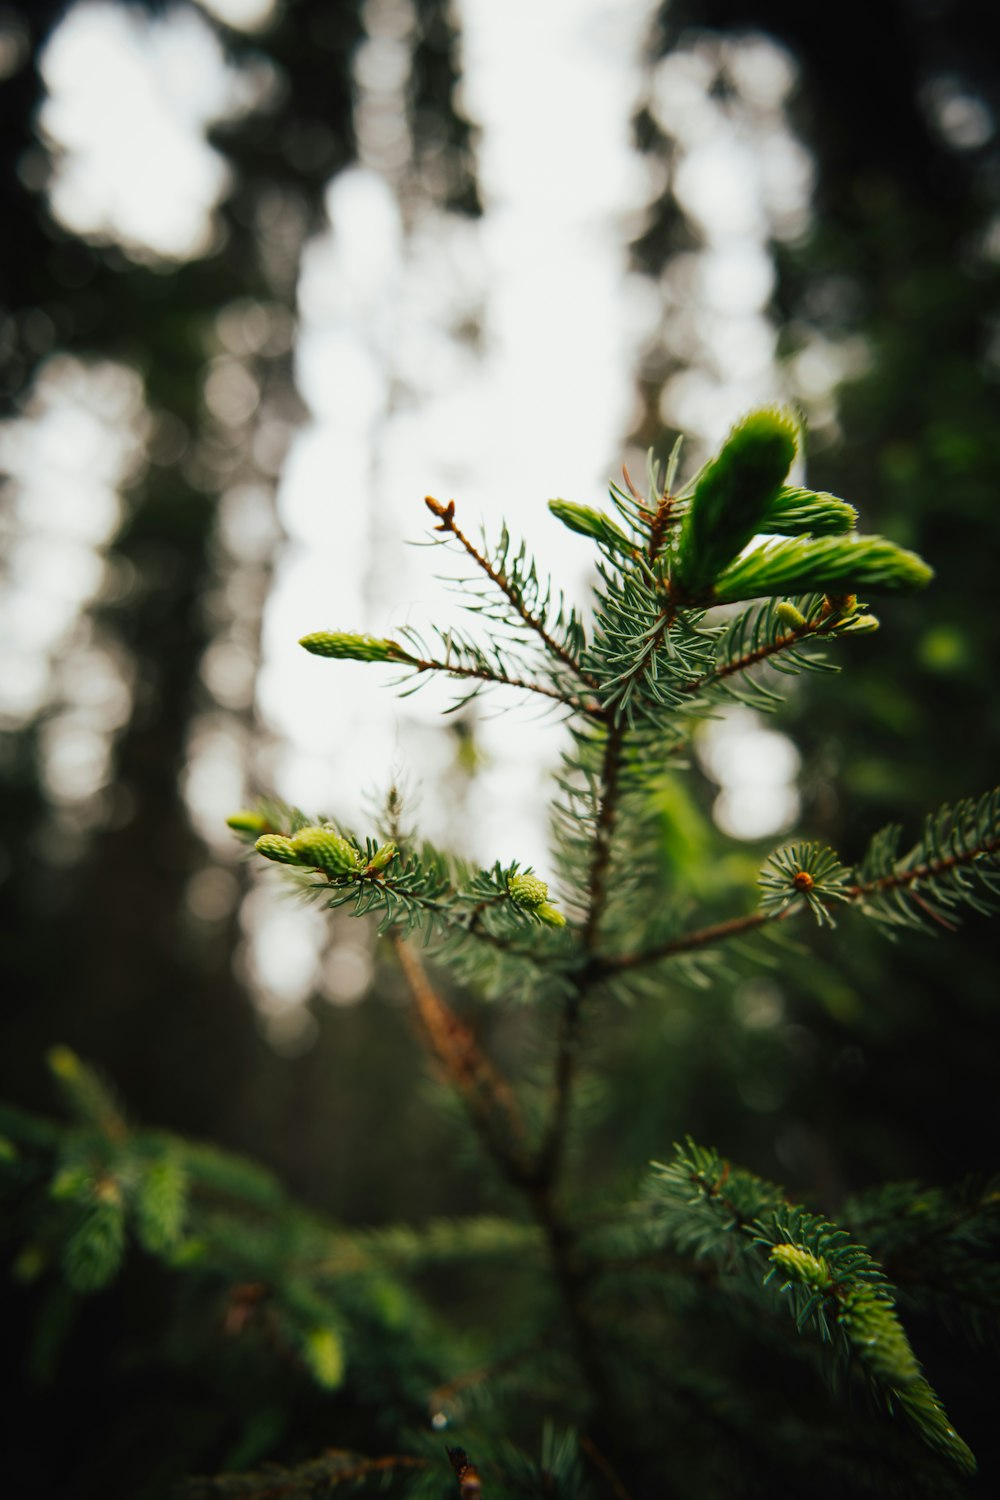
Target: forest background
[411, 247]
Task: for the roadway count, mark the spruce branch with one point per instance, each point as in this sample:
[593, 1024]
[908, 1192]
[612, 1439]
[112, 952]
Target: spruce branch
[941, 1246]
[462, 659]
[830, 1284]
[773, 633]
[513, 589]
[955, 862]
[844, 563]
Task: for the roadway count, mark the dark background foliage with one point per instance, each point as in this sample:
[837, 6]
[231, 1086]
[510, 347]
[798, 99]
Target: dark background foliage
[883, 1062]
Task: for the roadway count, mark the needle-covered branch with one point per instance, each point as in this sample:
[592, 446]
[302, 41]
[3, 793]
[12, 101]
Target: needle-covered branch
[787, 567]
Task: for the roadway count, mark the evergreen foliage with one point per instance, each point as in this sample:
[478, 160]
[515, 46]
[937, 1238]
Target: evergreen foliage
[613, 1341]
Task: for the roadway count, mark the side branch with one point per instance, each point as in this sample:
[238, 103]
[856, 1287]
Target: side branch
[501, 679]
[900, 879]
[689, 942]
[446, 522]
[820, 625]
[721, 932]
[568, 1042]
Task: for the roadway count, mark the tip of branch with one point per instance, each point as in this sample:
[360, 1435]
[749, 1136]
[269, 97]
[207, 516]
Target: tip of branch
[444, 513]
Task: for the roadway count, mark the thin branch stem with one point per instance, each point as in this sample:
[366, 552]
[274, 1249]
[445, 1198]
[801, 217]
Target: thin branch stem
[689, 942]
[568, 1041]
[901, 878]
[317, 1475]
[814, 627]
[493, 1111]
[446, 522]
[501, 679]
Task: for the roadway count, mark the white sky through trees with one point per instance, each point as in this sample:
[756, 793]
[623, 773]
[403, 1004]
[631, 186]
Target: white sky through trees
[401, 401]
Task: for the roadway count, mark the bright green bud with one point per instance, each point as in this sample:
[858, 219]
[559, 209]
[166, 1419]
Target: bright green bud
[794, 511]
[528, 891]
[65, 1064]
[161, 1204]
[383, 856]
[591, 523]
[324, 849]
[74, 1182]
[801, 1265]
[344, 647]
[789, 615]
[532, 894]
[246, 822]
[860, 625]
[324, 1355]
[875, 1331]
[733, 494]
[829, 564]
[94, 1250]
[276, 846]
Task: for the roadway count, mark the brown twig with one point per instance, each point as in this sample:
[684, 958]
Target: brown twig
[446, 522]
[743, 663]
[486, 1094]
[501, 679]
[315, 1475]
[900, 878]
[688, 942]
[603, 1467]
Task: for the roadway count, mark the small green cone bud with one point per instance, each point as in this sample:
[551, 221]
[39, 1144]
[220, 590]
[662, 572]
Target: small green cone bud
[276, 846]
[324, 1355]
[789, 615]
[64, 1064]
[802, 1265]
[532, 894]
[383, 856]
[324, 849]
[247, 822]
[861, 625]
[344, 647]
[528, 891]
